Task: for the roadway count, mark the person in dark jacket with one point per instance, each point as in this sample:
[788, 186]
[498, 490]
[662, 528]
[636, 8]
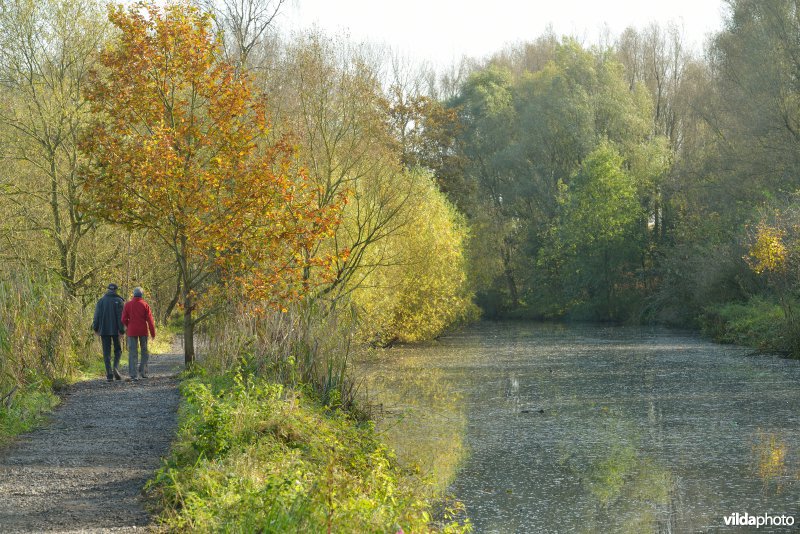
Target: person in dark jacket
[108, 325]
[138, 319]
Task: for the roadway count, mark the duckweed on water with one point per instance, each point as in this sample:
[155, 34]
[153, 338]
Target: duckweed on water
[254, 456]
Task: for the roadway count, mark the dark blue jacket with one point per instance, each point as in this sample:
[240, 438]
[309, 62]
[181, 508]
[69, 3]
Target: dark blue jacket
[108, 315]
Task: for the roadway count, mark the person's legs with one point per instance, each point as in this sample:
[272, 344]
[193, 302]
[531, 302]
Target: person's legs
[132, 356]
[105, 341]
[117, 356]
[145, 357]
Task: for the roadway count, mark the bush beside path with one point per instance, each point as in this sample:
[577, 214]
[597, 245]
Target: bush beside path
[85, 469]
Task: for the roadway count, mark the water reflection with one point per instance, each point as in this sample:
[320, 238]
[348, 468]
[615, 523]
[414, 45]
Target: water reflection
[419, 414]
[769, 455]
[594, 429]
[629, 490]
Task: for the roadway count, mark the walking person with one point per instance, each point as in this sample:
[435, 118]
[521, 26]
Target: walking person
[107, 324]
[138, 319]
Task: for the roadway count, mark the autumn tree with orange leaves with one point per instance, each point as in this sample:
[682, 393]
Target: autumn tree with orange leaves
[179, 149]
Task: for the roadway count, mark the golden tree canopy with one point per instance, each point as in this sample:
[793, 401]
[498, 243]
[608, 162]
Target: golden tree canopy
[179, 147]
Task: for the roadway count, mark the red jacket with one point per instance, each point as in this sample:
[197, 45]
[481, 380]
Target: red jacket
[137, 318]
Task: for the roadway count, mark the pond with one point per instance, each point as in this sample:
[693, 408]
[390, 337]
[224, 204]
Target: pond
[553, 428]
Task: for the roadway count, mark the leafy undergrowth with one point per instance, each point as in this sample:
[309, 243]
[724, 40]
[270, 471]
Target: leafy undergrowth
[253, 456]
[757, 323]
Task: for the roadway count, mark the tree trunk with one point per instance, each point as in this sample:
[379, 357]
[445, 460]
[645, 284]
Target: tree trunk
[609, 286]
[509, 274]
[188, 330]
[173, 302]
[657, 231]
[512, 288]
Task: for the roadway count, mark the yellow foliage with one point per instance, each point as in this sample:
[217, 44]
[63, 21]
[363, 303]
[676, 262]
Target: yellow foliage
[419, 286]
[768, 252]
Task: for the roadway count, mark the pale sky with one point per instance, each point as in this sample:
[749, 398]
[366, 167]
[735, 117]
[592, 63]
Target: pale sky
[442, 31]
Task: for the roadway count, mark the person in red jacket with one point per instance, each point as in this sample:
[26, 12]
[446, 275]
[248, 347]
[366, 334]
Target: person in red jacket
[138, 319]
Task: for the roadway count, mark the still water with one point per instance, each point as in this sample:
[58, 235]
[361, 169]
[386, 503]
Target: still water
[601, 429]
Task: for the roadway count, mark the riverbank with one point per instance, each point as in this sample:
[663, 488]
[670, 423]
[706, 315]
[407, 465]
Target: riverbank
[764, 324]
[255, 455]
[759, 323]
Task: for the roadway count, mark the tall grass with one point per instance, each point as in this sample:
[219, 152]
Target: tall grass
[44, 337]
[44, 334]
[310, 345]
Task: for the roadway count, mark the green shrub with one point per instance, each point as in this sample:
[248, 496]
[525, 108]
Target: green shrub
[254, 456]
[759, 323]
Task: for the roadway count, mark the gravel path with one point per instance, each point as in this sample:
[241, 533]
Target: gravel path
[84, 471]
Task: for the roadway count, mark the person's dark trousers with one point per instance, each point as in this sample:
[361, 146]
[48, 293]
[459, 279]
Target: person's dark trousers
[106, 341]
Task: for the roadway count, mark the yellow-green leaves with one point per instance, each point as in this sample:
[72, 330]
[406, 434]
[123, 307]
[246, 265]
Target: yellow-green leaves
[422, 288]
[768, 251]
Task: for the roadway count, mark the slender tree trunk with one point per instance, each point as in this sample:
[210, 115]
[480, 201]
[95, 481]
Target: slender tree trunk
[188, 329]
[63, 251]
[188, 303]
[657, 222]
[666, 219]
[509, 274]
[174, 301]
[512, 288]
[608, 284]
[128, 270]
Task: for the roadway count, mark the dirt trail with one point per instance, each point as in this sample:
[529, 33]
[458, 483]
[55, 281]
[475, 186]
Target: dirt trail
[84, 471]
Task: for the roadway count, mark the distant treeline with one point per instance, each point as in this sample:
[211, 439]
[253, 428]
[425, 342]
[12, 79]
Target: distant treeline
[634, 182]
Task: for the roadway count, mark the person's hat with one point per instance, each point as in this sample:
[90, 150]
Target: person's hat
[137, 292]
[112, 287]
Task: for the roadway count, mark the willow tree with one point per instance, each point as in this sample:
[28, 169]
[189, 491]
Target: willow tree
[594, 248]
[424, 290]
[180, 148]
[752, 108]
[526, 134]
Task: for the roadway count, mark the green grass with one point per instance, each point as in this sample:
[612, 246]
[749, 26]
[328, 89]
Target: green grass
[255, 456]
[26, 409]
[759, 323]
